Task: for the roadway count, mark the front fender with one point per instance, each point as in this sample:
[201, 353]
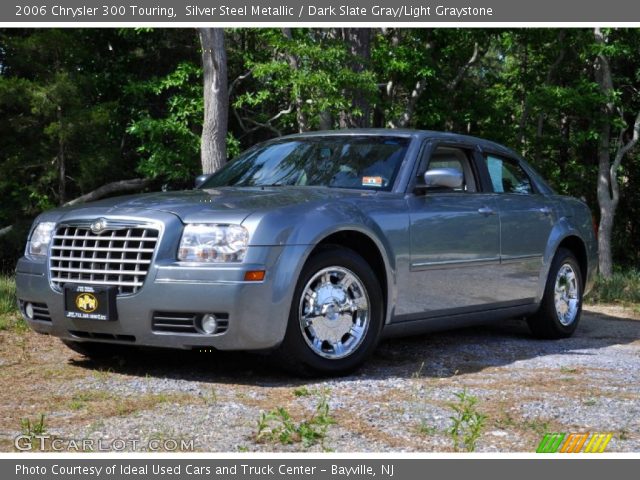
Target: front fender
[309, 227]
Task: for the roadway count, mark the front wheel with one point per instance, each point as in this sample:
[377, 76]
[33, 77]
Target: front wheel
[336, 315]
[561, 305]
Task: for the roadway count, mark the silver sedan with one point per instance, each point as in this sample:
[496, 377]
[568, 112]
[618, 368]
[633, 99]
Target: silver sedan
[315, 247]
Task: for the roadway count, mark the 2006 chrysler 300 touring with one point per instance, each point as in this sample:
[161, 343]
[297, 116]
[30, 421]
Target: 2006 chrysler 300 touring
[316, 246]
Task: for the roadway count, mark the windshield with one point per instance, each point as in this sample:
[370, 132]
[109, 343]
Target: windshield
[362, 162]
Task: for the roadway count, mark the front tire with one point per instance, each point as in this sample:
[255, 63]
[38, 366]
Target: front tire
[336, 315]
[561, 306]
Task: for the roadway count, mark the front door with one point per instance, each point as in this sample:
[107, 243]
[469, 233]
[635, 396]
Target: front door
[455, 244]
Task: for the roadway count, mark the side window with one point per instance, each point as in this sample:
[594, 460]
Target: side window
[507, 176]
[456, 158]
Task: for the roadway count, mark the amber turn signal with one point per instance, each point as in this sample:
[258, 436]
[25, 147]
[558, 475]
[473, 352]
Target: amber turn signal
[254, 276]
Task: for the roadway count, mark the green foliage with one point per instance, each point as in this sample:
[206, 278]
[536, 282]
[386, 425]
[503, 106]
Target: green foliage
[318, 80]
[278, 426]
[33, 428]
[110, 104]
[7, 295]
[10, 318]
[302, 392]
[623, 287]
[426, 429]
[467, 422]
[169, 145]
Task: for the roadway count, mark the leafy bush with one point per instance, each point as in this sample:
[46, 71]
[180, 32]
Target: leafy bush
[622, 287]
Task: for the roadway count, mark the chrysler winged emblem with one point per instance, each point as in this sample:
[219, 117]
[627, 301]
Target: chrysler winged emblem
[99, 225]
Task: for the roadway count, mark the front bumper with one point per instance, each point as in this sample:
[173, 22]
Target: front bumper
[257, 311]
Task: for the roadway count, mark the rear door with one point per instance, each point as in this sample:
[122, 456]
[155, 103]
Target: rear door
[526, 219]
[454, 244]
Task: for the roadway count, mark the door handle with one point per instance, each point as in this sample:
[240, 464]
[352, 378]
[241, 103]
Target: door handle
[545, 210]
[486, 211]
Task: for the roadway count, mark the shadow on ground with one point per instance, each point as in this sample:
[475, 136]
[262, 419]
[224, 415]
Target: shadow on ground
[436, 355]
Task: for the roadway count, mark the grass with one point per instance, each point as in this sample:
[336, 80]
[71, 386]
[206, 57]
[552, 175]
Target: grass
[7, 295]
[467, 422]
[10, 319]
[567, 370]
[302, 392]
[279, 426]
[426, 429]
[211, 397]
[31, 428]
[623, 287]
[538, 426]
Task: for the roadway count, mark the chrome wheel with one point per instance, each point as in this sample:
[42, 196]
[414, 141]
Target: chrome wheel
[334, 312]
[566, 295]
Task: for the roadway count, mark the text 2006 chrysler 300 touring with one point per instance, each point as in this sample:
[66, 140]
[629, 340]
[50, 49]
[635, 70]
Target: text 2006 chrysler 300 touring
[316, 246]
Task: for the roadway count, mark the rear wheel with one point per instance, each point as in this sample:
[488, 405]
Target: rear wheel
[561, 305]
[336, 315]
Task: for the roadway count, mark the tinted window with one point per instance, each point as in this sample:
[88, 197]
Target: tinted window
[362, 162]
[507, 176]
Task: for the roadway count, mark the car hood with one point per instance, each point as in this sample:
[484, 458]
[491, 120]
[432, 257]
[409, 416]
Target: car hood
[229, 204]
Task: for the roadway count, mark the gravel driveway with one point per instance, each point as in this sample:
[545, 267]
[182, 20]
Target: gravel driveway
[400, 401]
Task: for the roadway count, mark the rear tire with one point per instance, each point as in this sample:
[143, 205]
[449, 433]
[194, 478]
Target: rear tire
[336, 315]
[561, 305]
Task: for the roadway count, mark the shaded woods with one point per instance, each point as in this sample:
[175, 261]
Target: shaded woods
[85, 108]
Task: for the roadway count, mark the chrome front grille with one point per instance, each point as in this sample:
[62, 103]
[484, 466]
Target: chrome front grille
[119, 256]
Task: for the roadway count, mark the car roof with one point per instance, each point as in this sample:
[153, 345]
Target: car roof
[406, 132]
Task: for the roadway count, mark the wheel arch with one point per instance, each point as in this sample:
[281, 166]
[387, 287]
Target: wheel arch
[577, 246]
[564, 235]
[371, 250]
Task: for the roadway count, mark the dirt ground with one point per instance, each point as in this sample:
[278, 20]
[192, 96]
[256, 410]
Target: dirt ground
[401, 400]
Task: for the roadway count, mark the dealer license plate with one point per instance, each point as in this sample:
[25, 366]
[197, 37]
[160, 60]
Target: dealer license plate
[90, 302]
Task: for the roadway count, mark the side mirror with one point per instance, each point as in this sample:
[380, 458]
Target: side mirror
[443, 178]
[200, 179]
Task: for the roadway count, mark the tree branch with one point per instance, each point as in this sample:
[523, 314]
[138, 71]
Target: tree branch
[267, 124]
[133, 184]
[238, 118]
[5, 230]
[238, 80]
[623, 149]
[463, 69]
[405, 118]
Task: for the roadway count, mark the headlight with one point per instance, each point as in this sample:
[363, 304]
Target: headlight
[40, 238]
[213, 243]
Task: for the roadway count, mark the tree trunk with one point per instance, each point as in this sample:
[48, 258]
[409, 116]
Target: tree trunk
[213, 152]
[606, 202]
[325, 120]
[359, 42]
[62, 174]
[565, 129]
[608, 188]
